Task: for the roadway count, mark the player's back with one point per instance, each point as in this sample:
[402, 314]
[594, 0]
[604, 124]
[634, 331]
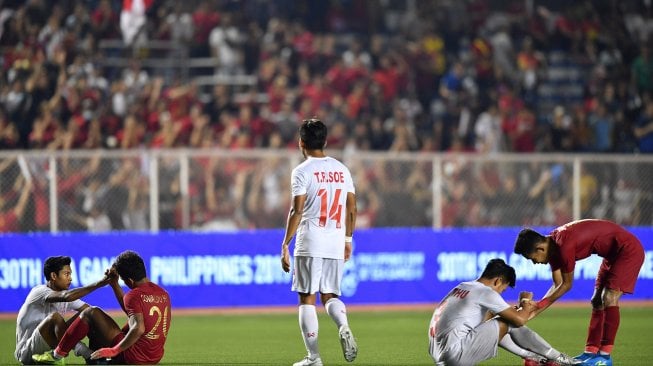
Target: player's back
[153, 302]
[582, 238]
[325, 182]
[464, 308]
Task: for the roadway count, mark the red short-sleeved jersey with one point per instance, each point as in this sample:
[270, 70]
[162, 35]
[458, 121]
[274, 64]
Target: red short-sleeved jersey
[153, 302]
[580, 239]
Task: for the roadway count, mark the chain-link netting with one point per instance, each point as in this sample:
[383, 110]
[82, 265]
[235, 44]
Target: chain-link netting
[249, 189]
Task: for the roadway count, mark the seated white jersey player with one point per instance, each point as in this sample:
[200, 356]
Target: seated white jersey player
[473, 319]
[40, 323]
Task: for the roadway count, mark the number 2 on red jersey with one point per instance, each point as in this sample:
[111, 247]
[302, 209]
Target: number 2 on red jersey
[335, 211]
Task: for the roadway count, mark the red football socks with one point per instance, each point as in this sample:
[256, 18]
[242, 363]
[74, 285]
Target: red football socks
[595, 331]
[75, 333]
[610, 328]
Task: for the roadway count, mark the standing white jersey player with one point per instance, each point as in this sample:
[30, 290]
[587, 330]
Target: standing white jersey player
[465, 331]
[40, 321]
[323, 216]
[325, 182]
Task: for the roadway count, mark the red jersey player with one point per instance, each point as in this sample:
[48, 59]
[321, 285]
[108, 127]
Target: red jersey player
[623, 256]
[142, 340]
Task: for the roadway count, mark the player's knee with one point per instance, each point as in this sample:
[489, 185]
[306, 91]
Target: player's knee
[55, 319]
[89, 312]
[326, 297]
[597, 302]
[611, 297]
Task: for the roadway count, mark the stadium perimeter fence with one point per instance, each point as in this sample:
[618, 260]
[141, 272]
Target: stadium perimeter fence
[221, 190]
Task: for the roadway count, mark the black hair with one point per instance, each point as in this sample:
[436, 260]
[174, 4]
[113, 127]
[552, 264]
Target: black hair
[54, 264]
[313, 133]
[130, 265]
[527, 240]
[497, 267]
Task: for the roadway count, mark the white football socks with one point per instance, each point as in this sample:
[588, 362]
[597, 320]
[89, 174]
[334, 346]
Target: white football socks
[526, 338]
[509, 345]
[82, 350]
[309, 326]
[337, 311]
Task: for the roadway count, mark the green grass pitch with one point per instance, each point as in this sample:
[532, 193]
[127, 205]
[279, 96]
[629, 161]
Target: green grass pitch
[384, 338]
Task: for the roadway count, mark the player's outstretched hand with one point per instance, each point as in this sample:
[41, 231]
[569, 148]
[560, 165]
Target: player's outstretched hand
[285, 258]
[530, 307]
[525, 295]
[105, 353]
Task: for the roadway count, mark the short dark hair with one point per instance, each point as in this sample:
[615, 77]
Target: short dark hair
[54, 264]
[527, 240]
[313, 133]
[130, 265]
[497, 267]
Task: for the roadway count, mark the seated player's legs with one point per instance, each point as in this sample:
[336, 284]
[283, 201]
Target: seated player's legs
[481, 343]
[52, 329]
[102, 328]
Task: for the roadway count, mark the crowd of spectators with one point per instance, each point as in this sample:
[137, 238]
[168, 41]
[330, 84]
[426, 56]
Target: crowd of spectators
[428, 76]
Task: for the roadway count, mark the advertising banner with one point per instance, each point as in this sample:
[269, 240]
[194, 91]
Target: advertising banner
[200, 270]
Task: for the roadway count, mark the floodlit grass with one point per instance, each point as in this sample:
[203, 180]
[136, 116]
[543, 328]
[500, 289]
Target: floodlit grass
[384, 338]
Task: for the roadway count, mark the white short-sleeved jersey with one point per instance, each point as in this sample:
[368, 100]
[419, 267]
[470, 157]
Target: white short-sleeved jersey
[325, 182]
[35, 309]
[462, 310]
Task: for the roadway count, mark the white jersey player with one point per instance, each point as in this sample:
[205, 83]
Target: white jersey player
[323, 216]
[40, 321]
[469, 323]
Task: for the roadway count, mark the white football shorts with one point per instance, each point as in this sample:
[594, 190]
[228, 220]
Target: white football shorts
[311, 274]
[478, 345]
[33, 346]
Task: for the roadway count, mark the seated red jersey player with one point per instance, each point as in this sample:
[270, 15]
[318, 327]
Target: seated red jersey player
[623, 256]
[142, 340]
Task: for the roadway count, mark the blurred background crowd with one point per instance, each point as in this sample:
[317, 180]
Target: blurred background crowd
[483, 76]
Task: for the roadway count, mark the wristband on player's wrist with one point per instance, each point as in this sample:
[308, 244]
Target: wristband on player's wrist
[348, 239]
[543, 303]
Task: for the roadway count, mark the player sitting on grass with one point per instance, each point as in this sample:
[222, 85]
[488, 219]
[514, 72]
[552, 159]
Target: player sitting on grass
[40, 322]
[623, 256]
[473, 319]
[148, 320]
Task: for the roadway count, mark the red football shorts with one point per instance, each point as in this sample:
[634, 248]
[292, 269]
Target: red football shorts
[621, 271]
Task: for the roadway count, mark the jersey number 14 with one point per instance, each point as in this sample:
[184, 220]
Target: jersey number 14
[335, 208]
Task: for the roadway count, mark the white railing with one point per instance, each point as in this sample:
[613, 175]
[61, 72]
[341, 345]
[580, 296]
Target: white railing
[215, 189]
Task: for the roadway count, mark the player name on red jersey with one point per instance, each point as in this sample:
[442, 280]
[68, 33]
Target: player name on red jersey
[154, 298]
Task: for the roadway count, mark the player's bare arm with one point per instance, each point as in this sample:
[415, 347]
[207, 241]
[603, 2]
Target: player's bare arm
[115, 286]
[562, 283]
[136, 329]
[294, 218]
[519, 317]
[350, 222]
[76, 293]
